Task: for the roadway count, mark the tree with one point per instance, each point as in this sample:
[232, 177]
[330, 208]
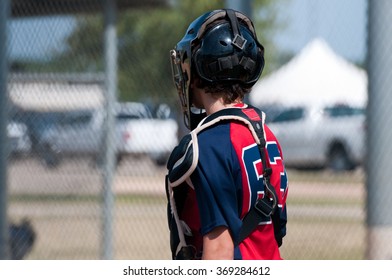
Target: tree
[145, 69]
[265, 18]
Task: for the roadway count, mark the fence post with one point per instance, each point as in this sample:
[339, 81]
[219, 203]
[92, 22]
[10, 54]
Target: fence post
[243, 6]
[110, 38]
[4, 12]
[379, 136]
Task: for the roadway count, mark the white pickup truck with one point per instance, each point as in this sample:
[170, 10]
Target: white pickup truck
[313, 136]
[137, 133]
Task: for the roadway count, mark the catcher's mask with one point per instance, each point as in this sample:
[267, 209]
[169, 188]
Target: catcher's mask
[222, 47]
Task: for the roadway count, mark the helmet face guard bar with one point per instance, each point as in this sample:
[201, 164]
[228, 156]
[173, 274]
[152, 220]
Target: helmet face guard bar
[181, 83]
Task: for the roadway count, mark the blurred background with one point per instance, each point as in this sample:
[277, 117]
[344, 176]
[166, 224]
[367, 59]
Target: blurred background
[83, 183]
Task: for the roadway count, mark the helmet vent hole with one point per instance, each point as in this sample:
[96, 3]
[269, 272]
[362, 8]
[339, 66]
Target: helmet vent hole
[223, 43]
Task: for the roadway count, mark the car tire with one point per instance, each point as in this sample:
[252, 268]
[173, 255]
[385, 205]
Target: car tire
[50, 157]
[159, 159]
[338, 159]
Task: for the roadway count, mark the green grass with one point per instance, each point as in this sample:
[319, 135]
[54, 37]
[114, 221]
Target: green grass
[127, 198]
[324, 176]
[332, 202]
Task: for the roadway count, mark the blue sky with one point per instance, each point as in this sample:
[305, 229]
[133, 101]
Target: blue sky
[342, 23]
[38, 37]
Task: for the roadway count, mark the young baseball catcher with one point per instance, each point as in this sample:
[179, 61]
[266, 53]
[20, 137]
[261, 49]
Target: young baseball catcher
[226, 184]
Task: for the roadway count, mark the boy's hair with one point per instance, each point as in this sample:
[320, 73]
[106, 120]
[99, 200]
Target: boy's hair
[230, 92]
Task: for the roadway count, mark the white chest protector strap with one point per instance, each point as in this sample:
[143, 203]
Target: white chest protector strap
[184, 158]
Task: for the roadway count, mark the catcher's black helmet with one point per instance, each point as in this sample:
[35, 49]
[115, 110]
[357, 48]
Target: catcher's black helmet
[221, 46]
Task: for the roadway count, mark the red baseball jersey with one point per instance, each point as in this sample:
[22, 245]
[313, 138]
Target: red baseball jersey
[226, 183]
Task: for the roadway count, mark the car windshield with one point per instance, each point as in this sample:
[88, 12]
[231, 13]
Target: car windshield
[75, 118]
[130, 110]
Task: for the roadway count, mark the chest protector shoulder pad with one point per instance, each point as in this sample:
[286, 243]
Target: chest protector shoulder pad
[183, 160]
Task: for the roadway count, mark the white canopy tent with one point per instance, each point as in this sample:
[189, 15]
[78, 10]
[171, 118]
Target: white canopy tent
[316, 75]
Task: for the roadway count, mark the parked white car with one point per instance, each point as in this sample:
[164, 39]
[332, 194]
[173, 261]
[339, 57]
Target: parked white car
[19, 139]
[320, 137]
[136, 133]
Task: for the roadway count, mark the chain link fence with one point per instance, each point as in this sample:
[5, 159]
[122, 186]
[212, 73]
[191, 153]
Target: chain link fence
[56, 176]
